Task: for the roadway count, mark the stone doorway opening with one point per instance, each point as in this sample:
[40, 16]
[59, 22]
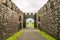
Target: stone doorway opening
[30, 23]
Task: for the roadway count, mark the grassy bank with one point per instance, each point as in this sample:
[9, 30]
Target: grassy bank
[13, 37]
[48, 37]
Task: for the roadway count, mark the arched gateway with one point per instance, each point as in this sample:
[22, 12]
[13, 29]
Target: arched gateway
[26, 16]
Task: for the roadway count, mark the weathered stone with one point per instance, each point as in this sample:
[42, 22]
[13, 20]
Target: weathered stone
[9, 22]
[50, 18]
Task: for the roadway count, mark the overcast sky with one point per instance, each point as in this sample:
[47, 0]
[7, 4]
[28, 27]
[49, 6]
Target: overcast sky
[29, 5]
[29, 19]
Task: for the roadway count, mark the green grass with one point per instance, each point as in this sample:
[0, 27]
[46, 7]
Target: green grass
[33, 25]
[48, 37]
[13, 37]
[27, 24]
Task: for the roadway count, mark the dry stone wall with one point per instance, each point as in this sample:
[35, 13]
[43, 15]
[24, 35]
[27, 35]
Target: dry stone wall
[50, 18]
[9, 22]
[9, 19]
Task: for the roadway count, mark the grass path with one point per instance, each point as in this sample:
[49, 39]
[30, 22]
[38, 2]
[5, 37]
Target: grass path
[30, 34]
[28, 24]
[42, 34]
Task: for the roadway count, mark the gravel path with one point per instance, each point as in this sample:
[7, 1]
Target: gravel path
[30, 34]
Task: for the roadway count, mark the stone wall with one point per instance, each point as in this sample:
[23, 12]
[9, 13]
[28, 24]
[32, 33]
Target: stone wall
[24, 22]
[35, 22]
[11, 5]
[29, 15]
[10, 21]
[50, 18]
[21, 20]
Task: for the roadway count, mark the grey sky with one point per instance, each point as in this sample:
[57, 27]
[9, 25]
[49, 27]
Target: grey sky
[29, 19]
[29, 5]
